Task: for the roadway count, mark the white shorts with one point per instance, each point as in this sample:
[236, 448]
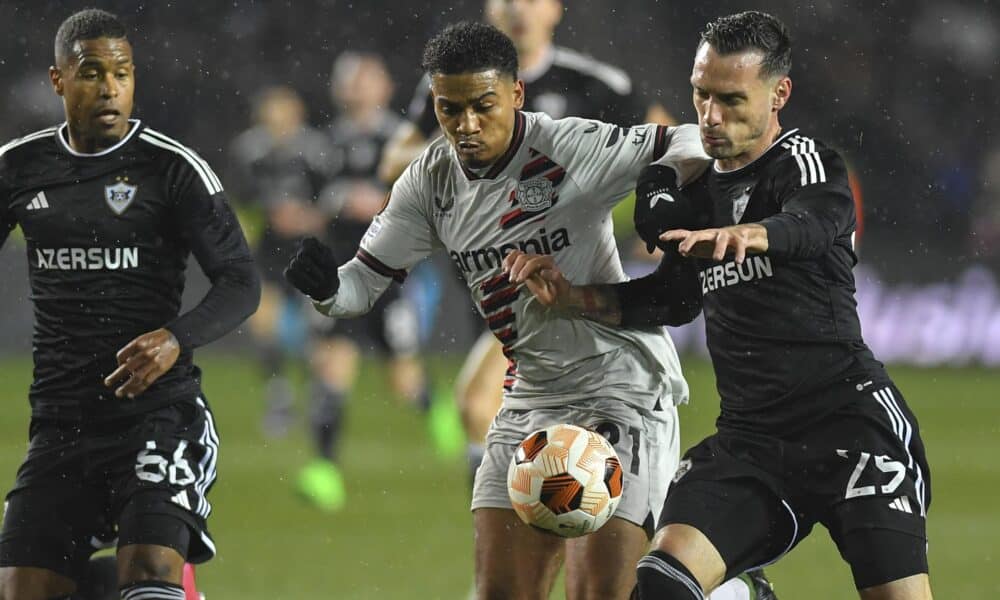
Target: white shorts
[647, 443]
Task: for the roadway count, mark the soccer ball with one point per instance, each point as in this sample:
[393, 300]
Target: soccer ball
[565, 479]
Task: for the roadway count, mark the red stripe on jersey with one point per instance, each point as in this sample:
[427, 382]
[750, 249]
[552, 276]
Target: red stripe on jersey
[500, 299]
[660, 146]
[398, 275]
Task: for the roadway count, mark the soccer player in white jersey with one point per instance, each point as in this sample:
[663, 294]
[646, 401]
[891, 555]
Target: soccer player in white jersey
[498, 180]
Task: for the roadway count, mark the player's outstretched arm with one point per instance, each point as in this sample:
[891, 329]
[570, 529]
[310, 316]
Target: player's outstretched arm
[347, 290]
[716, 243]
[668, 296]
[313, 270]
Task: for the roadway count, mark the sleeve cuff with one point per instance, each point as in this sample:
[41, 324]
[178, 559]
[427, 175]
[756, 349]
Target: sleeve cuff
[778, 237]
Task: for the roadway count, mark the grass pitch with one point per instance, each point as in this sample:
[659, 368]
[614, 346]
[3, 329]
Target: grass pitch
[406, 531]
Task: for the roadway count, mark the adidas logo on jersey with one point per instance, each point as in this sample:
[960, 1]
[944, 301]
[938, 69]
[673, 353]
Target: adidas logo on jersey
[902, 504]
[38, 202]
[484, 259]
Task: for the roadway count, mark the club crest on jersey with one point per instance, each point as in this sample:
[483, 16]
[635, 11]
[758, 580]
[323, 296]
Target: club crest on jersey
[535, 194]
[740, 204]
[120, 195]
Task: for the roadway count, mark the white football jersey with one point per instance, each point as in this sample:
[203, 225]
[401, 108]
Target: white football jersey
[551, 193]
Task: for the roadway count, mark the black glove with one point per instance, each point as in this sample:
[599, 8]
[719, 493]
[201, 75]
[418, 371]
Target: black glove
[313, 270]
[660, 206]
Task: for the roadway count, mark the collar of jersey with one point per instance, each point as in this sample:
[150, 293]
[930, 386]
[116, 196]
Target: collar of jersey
[65, 144]
[515, 144]
[781, 138]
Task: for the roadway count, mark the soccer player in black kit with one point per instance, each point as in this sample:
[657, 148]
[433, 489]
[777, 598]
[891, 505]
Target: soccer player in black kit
[812, 429]
[121, 435]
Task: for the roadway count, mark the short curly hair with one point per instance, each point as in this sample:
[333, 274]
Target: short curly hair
[87, 24]
[752, 30]
[470, 47]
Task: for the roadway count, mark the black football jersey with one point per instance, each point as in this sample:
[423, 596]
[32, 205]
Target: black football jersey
[108, 236]
[567, 84]
[784, 324]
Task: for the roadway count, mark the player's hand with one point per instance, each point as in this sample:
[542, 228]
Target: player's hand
[539, 273]
[142, 361]
[313, 270]
[717, 243]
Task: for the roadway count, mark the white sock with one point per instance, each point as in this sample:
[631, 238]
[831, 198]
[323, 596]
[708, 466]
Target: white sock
[734, 589]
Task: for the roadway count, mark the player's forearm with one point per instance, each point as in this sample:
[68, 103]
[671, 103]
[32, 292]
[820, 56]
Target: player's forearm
[360, 288]
[671, 295]
[756, 237]
[807, 227]
[595, 302]
[233, 297]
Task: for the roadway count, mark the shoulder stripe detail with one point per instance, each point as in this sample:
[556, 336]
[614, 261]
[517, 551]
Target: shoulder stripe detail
[613, 77]
[397, 275]
[208, 176]
[810, 163]
[28, 138]
[209, 183]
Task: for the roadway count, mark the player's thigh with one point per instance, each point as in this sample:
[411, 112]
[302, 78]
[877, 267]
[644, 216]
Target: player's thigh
[162, 469]
[32, 583]
[914, 587]
[865, 471]
[54, 511]
[601, 566]
[513, 560]
[722, 516]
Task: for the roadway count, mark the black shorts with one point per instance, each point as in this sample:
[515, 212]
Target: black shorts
[861, 472]
[141, 479]
[390, 328]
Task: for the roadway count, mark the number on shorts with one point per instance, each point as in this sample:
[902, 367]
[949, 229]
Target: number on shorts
[883, 464]
[612, 433]
[154, 468]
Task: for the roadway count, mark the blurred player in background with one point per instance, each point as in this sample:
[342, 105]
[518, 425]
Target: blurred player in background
[279, 167]
[502, 179]
[560, 82]
[361, 89]
[122, 440]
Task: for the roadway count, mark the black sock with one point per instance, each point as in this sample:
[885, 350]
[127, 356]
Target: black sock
[327, 419]
[663, 577]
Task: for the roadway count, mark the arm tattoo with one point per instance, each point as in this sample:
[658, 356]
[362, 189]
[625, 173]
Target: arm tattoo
[597, 303]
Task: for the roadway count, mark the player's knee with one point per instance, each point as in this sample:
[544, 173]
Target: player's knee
[16, 584]
[660, 576]
[150, 563]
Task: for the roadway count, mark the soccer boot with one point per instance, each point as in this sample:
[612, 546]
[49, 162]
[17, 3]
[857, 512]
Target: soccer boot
[321, 484]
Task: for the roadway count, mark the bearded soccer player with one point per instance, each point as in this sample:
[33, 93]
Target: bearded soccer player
[812, 428]
[503, 179]
[121, 435]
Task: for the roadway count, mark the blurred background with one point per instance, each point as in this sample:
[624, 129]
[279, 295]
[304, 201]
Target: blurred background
[906, 90]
